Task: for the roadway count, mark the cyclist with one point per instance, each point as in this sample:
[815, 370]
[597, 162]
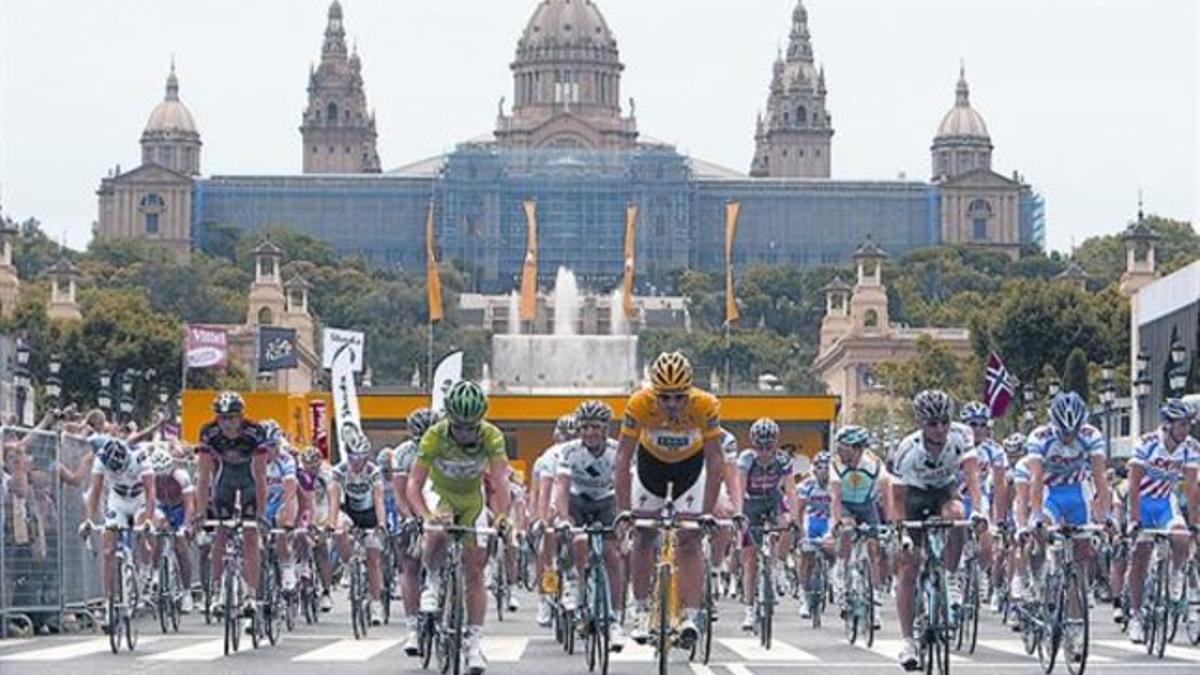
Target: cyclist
[313, 478]
[417, 424]
[1021, 510]
[174, 496]
[281, 499]
[927, 477]
[1164, 458]
[672, 433]
[545, 468]
[129, 499]
[456, 456]
[1119, 564]
[856, 484]
[724, 538]
[993, 464]
[586, 494]
[358, 493]
[1064, 456]
[813, 507]
[233, 460]
[768, 497]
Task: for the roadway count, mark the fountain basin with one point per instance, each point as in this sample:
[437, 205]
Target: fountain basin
[600, 365]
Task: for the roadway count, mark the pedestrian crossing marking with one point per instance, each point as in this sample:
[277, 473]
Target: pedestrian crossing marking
[348, 650]
[209, 650]
[1173, 651]
[68, 651]
[1017, 648]
[504, 649]
[890, 649]
[633, 653]
[751, 649]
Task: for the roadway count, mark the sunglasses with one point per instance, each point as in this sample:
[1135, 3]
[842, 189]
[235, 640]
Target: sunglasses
[229, 417]
[673, 397]
[465, 428]
[977, 425]
[936, 423]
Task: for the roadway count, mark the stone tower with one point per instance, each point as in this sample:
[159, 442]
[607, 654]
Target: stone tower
[267, 304]
[836, 321]
[170, 139]
[794, 138]
[567, 83]
[337, 129]
[62, 305]
[962, 143]
[868, 304]
[10, 281]
[1140, 265]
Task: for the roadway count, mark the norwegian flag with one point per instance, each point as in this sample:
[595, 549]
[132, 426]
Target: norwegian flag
[998, 386]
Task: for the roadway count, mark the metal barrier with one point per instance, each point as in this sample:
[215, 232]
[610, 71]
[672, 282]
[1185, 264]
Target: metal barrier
[31, 520]
[81, 568]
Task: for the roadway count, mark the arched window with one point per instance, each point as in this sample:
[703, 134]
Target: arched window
[871, 319]
[264, 317]
[979, 212]
[801, 115]
[151, 207]
[331, 113]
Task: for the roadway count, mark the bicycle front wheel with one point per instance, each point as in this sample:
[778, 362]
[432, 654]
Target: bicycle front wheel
[663, 638]
[129, 614]
[1192, 595]
[1053, 619]
[1078, 627]
[114, 622]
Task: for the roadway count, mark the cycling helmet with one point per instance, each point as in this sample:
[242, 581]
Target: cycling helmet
[671, 371]
[567, 426]
[115, 455]
[822, 460]
[419, 422]
[764, 433]
[466, 403]
[1015, 444]
[853, 436]
[593, 411]
[1174, 410]
[229, 403]
[162, 462]
[273, 434]
[933, 405]
[975, 411]
[310, 456]
[1068, 414]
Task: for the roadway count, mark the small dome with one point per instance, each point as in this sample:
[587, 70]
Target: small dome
[963, 121]
[171, 115]
[557, 23]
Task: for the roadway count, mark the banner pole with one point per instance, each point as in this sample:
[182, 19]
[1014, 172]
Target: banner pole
[429, 361]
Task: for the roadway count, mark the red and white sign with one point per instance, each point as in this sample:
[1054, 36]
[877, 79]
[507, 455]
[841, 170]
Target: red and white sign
[207, 347]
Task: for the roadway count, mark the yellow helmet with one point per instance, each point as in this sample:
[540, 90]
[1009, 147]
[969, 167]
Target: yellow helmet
[518, 476]
[671, 372]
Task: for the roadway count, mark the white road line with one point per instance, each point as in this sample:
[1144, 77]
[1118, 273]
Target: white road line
[633, 653]
[348, 650]
[67, 651]
[701, 669]
[1172, 651]
[738, 669]
[890, 649]
[209, 650]
[751, 650]
[500, 649]
[7, 643]
[1016, 648]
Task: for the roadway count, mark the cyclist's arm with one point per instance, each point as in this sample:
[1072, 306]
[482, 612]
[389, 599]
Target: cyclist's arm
[380, 508]
[835, 501]
[545, 493]
[1037, 486]
[899, 496]
[1022, 504]
[1135, 492]
[792, 500]
[287, 515]
[733, 485]
[801, 505]
[884, 488]
[562, 489]
[497, 477]
[189, 504]
[739, 501]
[258, 466]
[93, 500]
[1103, 493]
[535, 495]
[970, 467]
[335, 502]
[400, 489]
[714, 463]
[1191, 488]
[203, 482]
[148, 486]
[999, 493]
[624, 481]
[415, 490]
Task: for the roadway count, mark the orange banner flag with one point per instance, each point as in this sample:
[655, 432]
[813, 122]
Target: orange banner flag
[433, 281]
[529, 282]
[631, 214]
[732, 212]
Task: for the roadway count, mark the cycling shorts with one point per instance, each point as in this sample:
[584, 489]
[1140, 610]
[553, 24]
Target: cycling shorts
[1160, 513]
[1067, 504]
[686, 478]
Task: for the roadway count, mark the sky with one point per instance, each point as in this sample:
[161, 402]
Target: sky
[1090, 100]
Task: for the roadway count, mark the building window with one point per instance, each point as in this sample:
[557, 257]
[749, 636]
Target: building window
[871, 319]
[566, 86]
[151, 207]
[264, 317]
[800, 152]
[331, 113]
[801, 115]
[818, 152]
[979, 212]
[151, 223]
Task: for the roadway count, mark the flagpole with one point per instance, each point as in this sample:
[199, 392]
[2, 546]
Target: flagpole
[728, 343]
[254, 362]
[429, 360]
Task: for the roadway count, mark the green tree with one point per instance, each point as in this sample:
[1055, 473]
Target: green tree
[934, 366]
[1075, 373]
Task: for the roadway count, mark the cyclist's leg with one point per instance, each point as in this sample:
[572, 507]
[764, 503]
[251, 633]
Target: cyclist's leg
[953, 509]
[474, 560]
[648, 491]
[689, 558]
[374, 546]
[175, 517]
[581, 512]
[410, 578]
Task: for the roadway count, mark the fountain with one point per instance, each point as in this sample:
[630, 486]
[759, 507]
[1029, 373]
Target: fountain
[564, 361]
[618, 324]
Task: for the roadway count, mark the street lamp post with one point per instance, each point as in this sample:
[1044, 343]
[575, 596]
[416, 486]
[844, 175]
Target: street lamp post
[1108, 395]
[126, 402]
[1027, 395]
[54, 382]
[104, 397]
[1054, 388]
[22, 381]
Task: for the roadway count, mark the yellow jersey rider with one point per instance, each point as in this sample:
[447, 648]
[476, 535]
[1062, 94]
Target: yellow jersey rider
[673, 431]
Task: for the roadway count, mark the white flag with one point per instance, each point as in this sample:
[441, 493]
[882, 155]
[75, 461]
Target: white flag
[448, 371]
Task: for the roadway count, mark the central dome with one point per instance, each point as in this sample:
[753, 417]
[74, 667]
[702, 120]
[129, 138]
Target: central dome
[171, 115]
[562, 23]
[963, 121]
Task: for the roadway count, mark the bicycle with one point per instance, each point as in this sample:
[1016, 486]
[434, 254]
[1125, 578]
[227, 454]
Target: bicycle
[389, 566]
[204, 558]
[360, 597]
[564, 620]
[596, 611]
[1065, 591]
[1192, 594]
[308, 587]
[232, 581]
[966, 616]
[277, 606]
[1160, 612]
[858, 596]
[931, 617]
[525, 562]
[816, 593]
[450, 626]
[764, 600]
[497, 554]
[166, 601]
[124, 600]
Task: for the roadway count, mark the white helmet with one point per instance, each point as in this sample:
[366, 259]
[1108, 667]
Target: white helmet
[161, 461]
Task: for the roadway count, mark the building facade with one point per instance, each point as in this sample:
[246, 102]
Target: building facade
[571, 142]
